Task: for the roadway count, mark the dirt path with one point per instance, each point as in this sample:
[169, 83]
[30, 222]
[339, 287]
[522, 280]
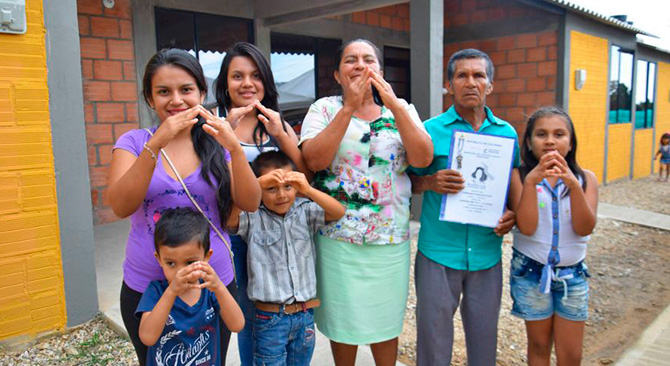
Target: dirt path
[630, 284]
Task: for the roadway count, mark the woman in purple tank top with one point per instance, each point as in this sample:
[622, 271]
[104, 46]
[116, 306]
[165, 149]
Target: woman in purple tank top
[208, 157]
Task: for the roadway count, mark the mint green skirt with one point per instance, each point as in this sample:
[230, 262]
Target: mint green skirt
[363, 290]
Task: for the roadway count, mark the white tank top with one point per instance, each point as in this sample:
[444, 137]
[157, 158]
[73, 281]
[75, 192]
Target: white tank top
[554, 228]
[251, 151]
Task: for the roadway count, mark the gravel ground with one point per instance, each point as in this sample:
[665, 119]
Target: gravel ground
[644, 194]
[630, 286]
[91, 344]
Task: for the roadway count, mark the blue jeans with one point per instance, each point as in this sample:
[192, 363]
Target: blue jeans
[283, 340]
[569, 298]
[244, 338]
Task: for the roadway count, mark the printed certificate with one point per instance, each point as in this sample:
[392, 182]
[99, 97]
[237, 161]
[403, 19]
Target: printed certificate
[485, 161]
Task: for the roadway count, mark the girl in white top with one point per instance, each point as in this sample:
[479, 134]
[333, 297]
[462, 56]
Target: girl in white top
[555, 203]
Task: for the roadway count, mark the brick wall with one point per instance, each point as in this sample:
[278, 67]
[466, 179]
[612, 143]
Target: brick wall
[525, 64]
[110, 94]
[618, 151]
[395, 17]
[588, 106]
[32, 297]
[642, 154]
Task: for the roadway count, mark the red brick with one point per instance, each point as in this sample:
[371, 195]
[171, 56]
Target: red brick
[505, 72]
[479, 16]
[452, 7]
[92, 47]
[551, 82]
[125, 29]
[107, 70]
[124, 91]
[388, 10]
[358, 17]
[121, 9]
[87, 69]
[120, 49]
[95, 197]
[526, 40]
[552, 53]
[89, 7]
[515, 115]
[547, 39]
[121, 128]
[104, 27]
[536, 54]
[92, 155]
[403, 10]
[405, 24]
[89, 113]
[516, 11]
[105, 154]
[514, 85]
[459, 20]
[98, 176]
[536, 84]
[129, 70]
[546, 98]
[492, 99]
[84, 25]
[132, 114]
[397, 23]
[105, 197]
[468, 6]
[450, 49]
[488, 45]
[497, 14]
[385, 21]
[96, 91]
[546, 68]
[527, 70]
[97, 133]
[372, 18]
[506, 43]
[110, 112]
[506, 99]
[526, 99]
[516, 56]
[498, 57]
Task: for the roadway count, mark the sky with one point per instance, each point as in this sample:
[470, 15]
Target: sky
[652, 16]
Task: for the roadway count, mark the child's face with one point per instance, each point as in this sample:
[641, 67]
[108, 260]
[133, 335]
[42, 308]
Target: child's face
[551, 133]
[665, 141]
[172, 260]
[278, 198]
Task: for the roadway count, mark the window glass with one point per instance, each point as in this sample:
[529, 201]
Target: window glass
[621, 85]
[644, 94]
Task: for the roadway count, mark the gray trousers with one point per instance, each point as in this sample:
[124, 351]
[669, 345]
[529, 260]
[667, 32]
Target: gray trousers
[439, 290]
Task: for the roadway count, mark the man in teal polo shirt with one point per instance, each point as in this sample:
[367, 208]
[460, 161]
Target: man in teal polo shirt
[458, 263]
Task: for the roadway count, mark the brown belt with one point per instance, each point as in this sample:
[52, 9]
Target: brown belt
[289, 308]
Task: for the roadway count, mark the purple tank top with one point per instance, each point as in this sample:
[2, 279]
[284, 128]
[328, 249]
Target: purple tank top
[140, 266]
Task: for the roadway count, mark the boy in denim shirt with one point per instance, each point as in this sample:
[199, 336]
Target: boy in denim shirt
[281, 260]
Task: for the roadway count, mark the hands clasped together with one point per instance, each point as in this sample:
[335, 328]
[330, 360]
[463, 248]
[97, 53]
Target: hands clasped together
[189, 278]
[552, 165]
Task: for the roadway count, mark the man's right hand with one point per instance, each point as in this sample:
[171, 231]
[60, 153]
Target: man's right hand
[447, 181]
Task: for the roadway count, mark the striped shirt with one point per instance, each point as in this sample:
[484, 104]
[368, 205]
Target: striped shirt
[281, 257]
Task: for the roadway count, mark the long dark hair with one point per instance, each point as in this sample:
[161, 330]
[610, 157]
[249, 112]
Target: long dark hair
[209, 151]
[530, 161]
[271, 97]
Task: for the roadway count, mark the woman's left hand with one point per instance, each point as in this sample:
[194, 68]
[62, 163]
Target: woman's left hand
[271, 119]
[221, 130]
[385, 90]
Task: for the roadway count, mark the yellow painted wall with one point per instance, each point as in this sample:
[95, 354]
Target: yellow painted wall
[618, 151]
[32, 297]
[588, 106]
[662, 105]
[642, 154]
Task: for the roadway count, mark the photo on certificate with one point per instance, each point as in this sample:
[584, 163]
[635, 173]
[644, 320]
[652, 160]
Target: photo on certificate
[485, 162]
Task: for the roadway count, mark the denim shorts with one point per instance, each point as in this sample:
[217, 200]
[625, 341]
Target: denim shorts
[531, 304]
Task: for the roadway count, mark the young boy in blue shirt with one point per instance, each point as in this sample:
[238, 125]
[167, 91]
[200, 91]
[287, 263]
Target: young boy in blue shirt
[281, 260]
[180, 315]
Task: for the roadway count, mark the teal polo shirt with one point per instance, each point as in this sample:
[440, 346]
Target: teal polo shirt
[454, 245]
